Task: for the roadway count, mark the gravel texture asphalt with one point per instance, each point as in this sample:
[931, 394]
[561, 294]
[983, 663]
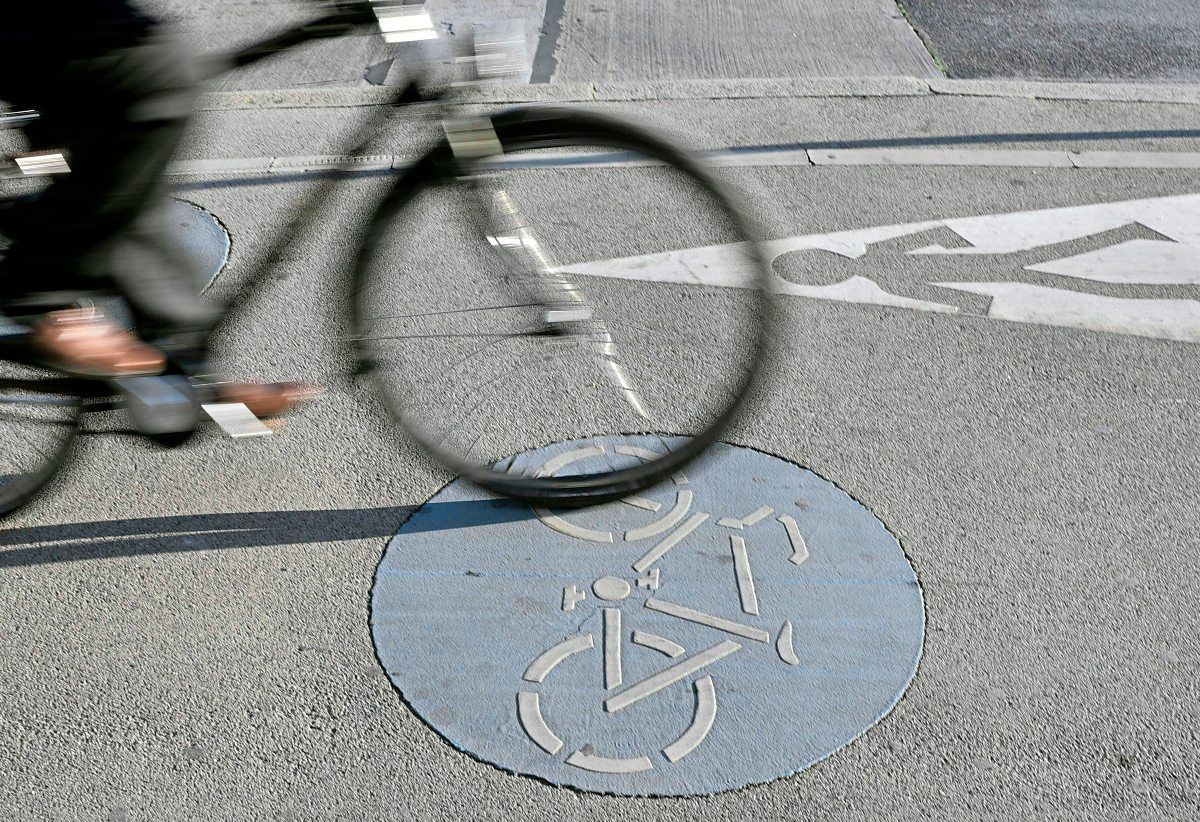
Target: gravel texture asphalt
[1062, 39]
[188, 631]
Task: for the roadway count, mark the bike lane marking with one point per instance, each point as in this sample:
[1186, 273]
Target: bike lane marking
[669, 677]
[1143, 263]
[550, 656]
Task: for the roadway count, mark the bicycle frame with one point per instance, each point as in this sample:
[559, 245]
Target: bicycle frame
[348, 16]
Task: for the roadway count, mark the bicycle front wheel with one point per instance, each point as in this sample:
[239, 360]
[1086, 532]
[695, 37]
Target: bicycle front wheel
[547, 292]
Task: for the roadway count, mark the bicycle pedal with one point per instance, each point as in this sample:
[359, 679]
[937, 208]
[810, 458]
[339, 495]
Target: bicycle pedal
[160, 405]
[236, 419]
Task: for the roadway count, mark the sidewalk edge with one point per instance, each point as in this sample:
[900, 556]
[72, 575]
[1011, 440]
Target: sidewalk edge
[830, 87]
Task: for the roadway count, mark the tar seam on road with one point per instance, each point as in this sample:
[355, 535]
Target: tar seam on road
[544, 61]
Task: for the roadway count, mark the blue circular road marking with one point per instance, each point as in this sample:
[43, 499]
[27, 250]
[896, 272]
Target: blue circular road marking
[203, 237]
[730, 627]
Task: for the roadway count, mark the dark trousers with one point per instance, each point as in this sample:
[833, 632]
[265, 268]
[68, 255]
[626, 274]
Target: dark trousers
[119, 113]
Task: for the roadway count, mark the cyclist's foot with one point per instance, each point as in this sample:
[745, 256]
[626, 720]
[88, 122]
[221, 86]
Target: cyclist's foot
[269, 399]
[82, 341]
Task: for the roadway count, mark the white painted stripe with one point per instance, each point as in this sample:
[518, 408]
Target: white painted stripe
[541, 667]
[643, 503]
[702, 721]
[708, 620]
[657, 643]
[604, 764]
[554, 464]
[529, 711]
[658, 551]
[799, 547]
[745, 579]
[612, 648]
[1135, 159]
[571, 529]
[683, 501]
[665, 679]
[757, 515]
[784, 645]
[939, 157]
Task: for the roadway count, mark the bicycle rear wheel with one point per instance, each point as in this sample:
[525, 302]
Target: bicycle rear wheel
[531, 297]
[39, 420]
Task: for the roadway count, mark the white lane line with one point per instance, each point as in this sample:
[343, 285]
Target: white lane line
[665, 679]
[1135, 159]
[745, 579]
[658, 551]
[708, 620]
[939, 157]
[736, 157]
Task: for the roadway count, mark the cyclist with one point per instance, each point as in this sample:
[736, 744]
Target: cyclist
[114, 92]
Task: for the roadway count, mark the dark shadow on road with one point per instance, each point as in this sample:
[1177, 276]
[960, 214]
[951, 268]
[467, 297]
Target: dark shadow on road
[997, 138]
[119, 539]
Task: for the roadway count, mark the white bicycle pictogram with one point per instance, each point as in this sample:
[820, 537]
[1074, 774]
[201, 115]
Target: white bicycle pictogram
[672, 527]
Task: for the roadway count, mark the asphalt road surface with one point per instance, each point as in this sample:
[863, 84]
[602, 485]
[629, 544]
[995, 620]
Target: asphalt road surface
[1063, 39]
[187, 633]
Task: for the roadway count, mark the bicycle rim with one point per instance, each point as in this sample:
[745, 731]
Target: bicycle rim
[453, 331]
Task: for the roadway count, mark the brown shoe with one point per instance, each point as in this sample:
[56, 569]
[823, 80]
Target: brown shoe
[269, 399]
[82, 341]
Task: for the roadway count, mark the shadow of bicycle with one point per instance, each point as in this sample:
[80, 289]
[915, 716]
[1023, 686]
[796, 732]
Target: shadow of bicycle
[118, 539]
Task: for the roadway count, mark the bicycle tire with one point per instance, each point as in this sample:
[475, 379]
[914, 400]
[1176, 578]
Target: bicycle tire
[39, 422]
[528, 129]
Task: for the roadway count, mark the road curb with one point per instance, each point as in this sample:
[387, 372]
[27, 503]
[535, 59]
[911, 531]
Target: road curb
[831, 87]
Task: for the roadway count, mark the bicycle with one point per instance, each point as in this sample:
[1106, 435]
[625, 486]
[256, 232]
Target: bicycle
[418, 355]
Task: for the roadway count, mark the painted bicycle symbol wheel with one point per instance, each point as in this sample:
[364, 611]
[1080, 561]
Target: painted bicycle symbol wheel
[731, 626]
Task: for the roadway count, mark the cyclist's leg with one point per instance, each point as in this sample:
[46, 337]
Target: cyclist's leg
[120, 115]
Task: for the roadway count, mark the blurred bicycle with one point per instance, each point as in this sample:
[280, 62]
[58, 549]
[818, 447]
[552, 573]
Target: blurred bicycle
[490, 307]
